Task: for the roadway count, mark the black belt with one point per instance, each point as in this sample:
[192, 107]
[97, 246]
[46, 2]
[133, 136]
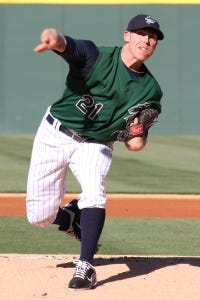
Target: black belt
[69, 133]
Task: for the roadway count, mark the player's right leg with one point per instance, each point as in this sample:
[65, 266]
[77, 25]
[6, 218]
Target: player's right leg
[73, 228]
[47, 175]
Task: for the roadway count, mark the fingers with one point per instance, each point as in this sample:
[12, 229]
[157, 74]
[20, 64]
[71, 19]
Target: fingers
[41, 47]
[51, 39]
[47, 37]
[135, 121]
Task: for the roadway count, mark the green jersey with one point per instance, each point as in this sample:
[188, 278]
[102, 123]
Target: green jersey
[98, 105]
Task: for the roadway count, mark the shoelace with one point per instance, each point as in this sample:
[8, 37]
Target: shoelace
[81, 268]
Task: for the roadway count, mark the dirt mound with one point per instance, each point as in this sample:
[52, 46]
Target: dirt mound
[25, 277]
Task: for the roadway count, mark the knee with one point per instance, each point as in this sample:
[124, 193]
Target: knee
[37, 215]
[36, 221]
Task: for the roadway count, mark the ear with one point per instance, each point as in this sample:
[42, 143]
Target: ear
[127, 35]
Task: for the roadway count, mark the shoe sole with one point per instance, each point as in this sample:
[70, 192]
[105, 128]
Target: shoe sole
[83, 289]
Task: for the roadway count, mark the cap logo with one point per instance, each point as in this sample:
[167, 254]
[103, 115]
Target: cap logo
[150, 20]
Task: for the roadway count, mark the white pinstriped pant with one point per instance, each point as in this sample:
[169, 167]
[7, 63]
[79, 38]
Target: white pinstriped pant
[53, 152]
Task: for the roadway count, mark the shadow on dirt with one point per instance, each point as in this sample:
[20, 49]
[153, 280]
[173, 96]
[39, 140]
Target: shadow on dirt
[138, 266]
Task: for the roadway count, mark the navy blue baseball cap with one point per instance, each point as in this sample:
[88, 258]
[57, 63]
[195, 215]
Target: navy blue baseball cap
[145, 21]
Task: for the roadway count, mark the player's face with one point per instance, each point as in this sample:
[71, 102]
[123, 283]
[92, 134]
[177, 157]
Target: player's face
[141, 43]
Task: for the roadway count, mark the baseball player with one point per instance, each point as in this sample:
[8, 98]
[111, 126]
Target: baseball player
[110, 95]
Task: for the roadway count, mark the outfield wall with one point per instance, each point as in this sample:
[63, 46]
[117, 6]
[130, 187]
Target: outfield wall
[30, 82]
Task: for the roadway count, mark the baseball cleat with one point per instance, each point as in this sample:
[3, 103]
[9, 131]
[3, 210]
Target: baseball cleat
[74, 229]
[84, 277]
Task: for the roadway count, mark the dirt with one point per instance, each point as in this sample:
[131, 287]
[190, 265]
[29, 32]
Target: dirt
[124, 205]
[25, 277]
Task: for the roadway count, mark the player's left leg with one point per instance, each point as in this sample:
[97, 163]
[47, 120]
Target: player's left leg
[90, 165]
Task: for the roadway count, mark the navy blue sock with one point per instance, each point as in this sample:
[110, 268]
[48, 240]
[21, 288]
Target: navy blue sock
[92, 222]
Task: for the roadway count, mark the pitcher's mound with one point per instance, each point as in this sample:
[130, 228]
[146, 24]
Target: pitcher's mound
[25, 277]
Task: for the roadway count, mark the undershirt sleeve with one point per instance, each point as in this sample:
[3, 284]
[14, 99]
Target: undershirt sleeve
[80, 56]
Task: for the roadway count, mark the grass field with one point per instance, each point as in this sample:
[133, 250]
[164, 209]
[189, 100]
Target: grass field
[134, 236]
[168, 164]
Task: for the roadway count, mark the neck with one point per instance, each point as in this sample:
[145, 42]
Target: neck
[130, 61]
[137, 70]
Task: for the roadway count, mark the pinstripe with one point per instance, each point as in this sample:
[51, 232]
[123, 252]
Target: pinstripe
[90, 166]
[53, 152]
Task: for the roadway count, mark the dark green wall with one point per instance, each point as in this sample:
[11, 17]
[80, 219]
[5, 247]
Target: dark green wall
[30, 82]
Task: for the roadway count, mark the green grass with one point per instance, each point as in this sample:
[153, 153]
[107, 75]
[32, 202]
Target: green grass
[168, 164]
[127, 236]
[15, 154]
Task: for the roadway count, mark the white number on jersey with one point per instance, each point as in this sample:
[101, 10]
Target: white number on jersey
[87, 106]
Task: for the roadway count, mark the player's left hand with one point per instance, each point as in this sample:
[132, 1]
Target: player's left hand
[138, 127]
